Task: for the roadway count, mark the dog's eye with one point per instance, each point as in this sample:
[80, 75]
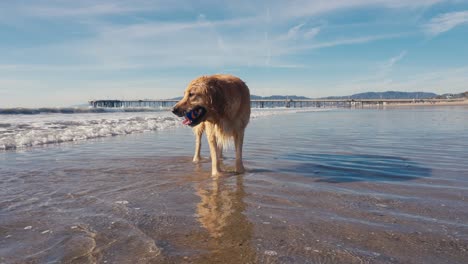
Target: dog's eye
[191, 94]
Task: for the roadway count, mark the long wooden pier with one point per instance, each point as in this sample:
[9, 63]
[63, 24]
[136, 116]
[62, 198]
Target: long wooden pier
[288, 103]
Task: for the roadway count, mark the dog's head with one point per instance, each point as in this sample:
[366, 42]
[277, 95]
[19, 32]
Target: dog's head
[200, 102]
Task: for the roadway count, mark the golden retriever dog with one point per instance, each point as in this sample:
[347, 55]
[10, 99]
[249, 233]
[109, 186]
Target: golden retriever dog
[221, 104]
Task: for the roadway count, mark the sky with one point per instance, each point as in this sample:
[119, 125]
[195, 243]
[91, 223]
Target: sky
[62, 53]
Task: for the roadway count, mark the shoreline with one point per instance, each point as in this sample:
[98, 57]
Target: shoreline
[453, 103]
[416, 103]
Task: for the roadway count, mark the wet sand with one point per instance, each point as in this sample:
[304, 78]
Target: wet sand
[457, 102]
[362, 186]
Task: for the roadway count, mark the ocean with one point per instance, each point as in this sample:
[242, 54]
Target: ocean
[322, 186]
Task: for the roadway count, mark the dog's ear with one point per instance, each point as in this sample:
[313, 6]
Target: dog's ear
[216, 96]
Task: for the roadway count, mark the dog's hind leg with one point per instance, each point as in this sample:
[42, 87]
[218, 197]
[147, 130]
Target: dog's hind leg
[220, 152]
[239, 141]
[211, 136]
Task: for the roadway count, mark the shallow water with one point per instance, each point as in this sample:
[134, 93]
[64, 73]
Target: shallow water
[346, 186]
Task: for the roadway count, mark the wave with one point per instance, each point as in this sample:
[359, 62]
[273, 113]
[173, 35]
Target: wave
[21, 131]
[43, 132]
[72, 110]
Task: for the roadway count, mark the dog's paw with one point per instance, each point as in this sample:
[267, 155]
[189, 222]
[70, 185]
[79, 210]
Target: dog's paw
[217, 174]
[239, 169]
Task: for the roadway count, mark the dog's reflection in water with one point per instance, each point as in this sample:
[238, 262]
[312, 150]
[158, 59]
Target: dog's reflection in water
[221, 212]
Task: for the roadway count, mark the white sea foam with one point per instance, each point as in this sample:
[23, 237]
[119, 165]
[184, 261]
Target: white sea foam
[26, 130]
[72, 110]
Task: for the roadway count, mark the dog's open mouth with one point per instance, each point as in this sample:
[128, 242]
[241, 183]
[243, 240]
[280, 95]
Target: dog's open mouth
[194, 116]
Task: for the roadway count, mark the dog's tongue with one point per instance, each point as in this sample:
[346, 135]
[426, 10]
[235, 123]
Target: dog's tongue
[190, 116]
[187, 121]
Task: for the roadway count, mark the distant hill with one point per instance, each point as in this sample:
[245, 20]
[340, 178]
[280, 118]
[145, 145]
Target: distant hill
[453, 96]
[387, 95]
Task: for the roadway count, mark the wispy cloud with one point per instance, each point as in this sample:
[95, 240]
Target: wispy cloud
[300, 31]
[311, 33]
[384, 71]
[304, 8]
[349, 41]
[93, 10]
[392, 61]
[293, 32]
[85, 8]
[445, 22]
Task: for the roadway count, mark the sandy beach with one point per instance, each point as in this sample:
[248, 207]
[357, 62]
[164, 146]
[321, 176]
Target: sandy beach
[448, 103]
[339, 186]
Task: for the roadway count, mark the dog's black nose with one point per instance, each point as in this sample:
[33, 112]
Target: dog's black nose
[176, 111]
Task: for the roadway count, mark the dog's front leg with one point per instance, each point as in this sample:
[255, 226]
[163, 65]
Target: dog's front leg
[196, 156]
[211, 136]
[198, 135]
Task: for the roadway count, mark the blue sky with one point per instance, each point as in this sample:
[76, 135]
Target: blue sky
[59, 53]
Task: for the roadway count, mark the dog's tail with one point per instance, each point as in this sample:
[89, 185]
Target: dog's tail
[224, 137]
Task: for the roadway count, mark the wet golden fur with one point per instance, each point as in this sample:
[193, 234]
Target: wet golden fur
[227, 101]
